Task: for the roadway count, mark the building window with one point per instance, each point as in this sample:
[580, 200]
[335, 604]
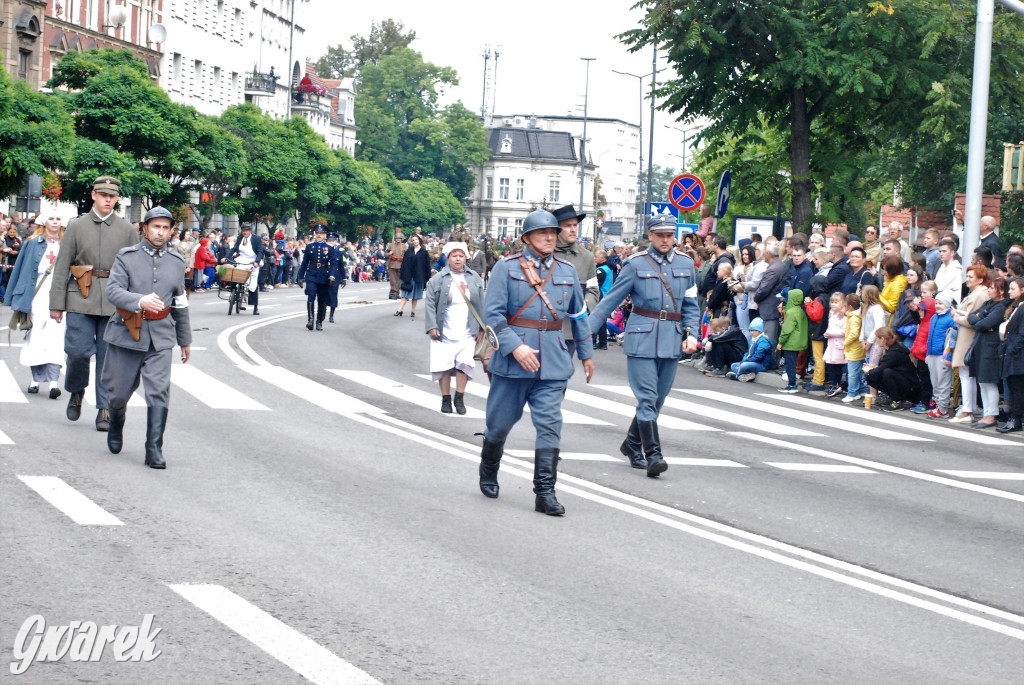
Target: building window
[520, 189]
[502, 188]
[176, 70]
[489, 188]
[519, 227]
[24, 58]
[553, 187]
[502, 227]
[487, 225]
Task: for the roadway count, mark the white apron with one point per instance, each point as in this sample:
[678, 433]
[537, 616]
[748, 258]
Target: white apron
[454, 350]
[246, 256]
[45, 342]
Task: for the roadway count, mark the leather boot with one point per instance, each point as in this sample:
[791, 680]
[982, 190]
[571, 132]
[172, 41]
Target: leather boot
[633, 448]
[115, 433]
[1012, 425]
[545, 473]
[309, 316]
[156, 421]
[321, 311]
[103, 420]
[490, 461]
[75, 405]
[652, 448]
[331, 315]
[460, 403]
[446, 404]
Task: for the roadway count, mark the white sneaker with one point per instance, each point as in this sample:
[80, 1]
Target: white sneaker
[852, 398]
[962, 419]
[746, 377]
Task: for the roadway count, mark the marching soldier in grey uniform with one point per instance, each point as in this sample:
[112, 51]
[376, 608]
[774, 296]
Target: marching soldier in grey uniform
[80, 275]
[663, 324]
[530, 294]
[577, 255]
[147, 289]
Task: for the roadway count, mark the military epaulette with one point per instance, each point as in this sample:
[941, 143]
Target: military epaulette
[176, 254]
[563, 261]
[638, 254]
[517, 255]
[131, 248]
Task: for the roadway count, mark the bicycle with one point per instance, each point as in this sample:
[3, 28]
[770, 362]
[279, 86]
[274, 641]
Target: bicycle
[236, 278]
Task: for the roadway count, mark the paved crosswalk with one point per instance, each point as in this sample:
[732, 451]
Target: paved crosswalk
[9, 391]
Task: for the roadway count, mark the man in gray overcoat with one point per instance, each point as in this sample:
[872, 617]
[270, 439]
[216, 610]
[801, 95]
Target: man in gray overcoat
[580, 257]
[80, 276]
[146, 287]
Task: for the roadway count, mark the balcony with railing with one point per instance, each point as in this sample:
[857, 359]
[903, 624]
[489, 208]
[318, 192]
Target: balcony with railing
[308, 95]
[257, 84]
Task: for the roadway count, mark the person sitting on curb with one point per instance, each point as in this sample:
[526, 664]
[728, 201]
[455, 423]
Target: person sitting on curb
[725, 346]
[757, 358]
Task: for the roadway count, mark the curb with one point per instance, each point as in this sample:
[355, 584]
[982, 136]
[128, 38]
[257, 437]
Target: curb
[768, 378]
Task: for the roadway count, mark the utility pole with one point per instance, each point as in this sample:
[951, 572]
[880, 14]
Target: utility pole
[583, 139]
[640, 146]
[483, 101]
[650, 137]
[494, 86]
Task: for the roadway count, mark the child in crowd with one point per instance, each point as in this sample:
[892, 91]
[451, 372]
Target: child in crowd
[835, 341]
[725, 345]
[856, 387]
[872, 317]
[939, 373]
[720, 301]
[793, 338]
[616, 324]
[816, 307]
[919, 348]
[757, 358]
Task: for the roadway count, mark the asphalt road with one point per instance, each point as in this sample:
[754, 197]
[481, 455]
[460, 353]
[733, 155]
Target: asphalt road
[319, 520]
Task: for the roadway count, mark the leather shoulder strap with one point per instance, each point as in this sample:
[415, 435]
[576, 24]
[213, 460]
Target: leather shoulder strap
[538, 287]
[668, 288]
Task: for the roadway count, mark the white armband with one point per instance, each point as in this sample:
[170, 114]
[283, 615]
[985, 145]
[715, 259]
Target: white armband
[580, 314]
[691, 291]
[591, 283]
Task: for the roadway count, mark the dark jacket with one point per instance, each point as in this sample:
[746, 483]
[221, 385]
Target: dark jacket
[257, 248]
[720, 299]
[711, 279]
[415, 267]
[801, 278]
[771, 285]
[1013, 357]
[837, 276]
[897, 359]
[854, 281]
[986, 363]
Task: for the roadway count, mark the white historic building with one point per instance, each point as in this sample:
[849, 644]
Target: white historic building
[613, 146]
[528, 169]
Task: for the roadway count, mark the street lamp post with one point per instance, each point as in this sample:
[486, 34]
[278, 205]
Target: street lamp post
[684, 132]
[640, 170]
[583, 139]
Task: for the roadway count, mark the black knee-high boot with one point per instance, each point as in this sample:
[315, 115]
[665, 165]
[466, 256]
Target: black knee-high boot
[652, 448]
[545, 474]
[331, 315]
[490, 461]
[115, 434]
[156, 422]
[633, 448]
[321, 311]
[309, 316]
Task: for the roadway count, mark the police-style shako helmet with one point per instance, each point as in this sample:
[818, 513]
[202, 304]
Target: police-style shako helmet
[661, 224]
[332, 236]
[539, 219]
[158, 213]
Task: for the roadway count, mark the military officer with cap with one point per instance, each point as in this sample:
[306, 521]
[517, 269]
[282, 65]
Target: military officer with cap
[320, 269]
[580, 257]
[88, 248]
[662, 284]
[341, 281]
[146, 287]
[530, 294]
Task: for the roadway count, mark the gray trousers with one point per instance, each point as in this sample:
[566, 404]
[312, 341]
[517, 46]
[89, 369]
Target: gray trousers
[651, 380]
[942, 380]
[508, 396]
[126, 367]
[83, 338]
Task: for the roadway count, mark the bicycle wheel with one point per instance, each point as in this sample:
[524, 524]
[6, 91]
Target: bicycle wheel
[231, 301]
[238, 298]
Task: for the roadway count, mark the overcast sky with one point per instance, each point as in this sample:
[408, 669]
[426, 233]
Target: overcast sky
[541, 43]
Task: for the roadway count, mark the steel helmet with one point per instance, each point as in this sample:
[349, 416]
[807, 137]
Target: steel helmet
[539, 218]
[158, 213]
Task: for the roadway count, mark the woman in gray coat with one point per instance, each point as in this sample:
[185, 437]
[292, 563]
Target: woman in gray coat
[450, 323]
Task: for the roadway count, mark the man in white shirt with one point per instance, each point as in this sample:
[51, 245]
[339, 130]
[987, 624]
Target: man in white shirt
[949, 277]
[896, 233]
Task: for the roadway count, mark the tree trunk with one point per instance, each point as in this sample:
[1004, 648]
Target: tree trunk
[800, 160]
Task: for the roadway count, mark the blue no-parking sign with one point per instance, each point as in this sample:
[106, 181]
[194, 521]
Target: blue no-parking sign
[686, 192]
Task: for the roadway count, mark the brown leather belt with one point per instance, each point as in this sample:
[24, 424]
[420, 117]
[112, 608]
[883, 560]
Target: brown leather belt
[100, 273]
[150, 316]
[539, 324]
[660, 315]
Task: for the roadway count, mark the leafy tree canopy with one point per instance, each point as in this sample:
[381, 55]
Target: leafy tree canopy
[384, 39]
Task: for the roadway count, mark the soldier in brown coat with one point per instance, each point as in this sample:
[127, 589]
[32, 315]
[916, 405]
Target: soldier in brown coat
[87, 251]
[396, 253]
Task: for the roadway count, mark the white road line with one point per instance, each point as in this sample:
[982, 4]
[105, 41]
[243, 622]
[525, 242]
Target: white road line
[879, 466]
[827, 422]
[733, 419]
[480, 390]
[71, 502]
[985, 475]
[400, 391]
[210, 391]
[9, 390]
[929, 426]
[4, 440]
[695, 461]
[571, 456]
[713, 531]
[629, 410]
[287, 645]
[824, 468]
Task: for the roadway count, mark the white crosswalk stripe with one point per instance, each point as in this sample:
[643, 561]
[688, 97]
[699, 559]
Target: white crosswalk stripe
[9, 390]
[984, 475]
[929, 426]
[697, 461]
[210, 391]
[71, 502]
[480, 390]
[735, 420]
[401, 391]
[570, 456]
[629, 410]
[824, 468]
[307, 658]
[4, 439]
[321, 395]
[809, 417]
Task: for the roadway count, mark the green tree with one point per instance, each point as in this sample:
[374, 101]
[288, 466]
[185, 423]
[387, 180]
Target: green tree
[218, 166]
[384, 39]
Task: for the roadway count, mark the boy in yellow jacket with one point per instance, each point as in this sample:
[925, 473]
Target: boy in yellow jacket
[856, 385]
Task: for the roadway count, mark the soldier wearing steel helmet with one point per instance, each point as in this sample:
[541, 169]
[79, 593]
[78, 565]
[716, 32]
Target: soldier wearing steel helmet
[146, 287]
[530, 294]
[663, 324]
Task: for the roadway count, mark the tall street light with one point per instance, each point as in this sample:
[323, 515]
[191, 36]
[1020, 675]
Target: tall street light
[640, 170]
[684, 132]
[583, 140]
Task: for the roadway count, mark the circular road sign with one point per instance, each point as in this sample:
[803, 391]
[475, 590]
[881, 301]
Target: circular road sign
[686, 192]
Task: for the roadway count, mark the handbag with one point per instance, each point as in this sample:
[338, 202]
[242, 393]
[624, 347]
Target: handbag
[488, 342]
[22, 321]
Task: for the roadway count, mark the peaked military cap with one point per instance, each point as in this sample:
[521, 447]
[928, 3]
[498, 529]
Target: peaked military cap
[107, 184]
